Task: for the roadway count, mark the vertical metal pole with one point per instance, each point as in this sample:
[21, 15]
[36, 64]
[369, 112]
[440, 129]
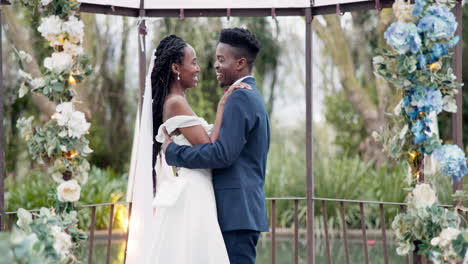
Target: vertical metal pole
[142, 53]
[142, 65]
[2, 151]
[457, 120]
[309, 152]
[296, 232]
[273, 231]
[91, 235]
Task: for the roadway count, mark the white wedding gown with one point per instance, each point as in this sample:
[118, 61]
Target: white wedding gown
[186, 229]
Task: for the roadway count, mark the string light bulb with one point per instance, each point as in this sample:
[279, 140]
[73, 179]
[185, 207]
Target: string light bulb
[434, 66]
[71, 80]
[70, 154]
[413, 155]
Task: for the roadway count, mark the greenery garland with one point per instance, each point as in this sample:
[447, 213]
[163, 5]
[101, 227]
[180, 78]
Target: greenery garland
[59, 144]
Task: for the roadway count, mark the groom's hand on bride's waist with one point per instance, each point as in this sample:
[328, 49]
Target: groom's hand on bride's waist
[167, 140]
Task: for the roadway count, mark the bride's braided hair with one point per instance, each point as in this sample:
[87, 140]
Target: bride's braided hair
[170, 50]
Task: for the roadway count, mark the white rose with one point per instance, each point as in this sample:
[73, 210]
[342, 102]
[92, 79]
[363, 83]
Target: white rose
[59, 62]
[64, 113]
[77, 125]
[24, 218]
[447, 235]
[75, 121]
[62, 243]
[72, 49]
[38, 82]
[69, 191]
[46, 2]
[423, 195]
[74, 28]
[51, 28]
[404, 248]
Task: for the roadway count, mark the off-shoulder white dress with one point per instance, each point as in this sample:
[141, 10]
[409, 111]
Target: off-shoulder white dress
[186, 229]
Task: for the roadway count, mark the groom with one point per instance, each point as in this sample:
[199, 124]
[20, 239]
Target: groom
[238, 158]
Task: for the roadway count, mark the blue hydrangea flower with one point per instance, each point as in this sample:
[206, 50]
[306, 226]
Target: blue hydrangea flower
[419, 132]
[418, 96]
[418, 7]
[421, 61]
[431, 58]
[427, 99]
[411, 111]
[434, 99]
[438, 23]
[439, 50]
[452, 161]
[403, 37]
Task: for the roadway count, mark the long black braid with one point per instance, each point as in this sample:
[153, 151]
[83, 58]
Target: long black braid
[170, 50]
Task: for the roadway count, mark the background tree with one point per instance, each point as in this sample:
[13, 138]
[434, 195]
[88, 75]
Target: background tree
[357, 108]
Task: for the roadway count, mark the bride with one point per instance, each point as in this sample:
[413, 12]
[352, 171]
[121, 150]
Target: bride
[180, 225]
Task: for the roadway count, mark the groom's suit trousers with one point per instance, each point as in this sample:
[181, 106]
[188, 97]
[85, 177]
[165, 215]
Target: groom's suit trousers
[240, 245]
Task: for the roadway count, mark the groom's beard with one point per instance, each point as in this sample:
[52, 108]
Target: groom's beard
[225, 85]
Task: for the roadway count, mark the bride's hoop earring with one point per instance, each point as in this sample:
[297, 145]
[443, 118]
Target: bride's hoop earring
[178, 76]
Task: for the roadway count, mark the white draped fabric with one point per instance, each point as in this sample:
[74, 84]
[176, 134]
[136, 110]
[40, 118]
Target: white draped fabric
[141, 186]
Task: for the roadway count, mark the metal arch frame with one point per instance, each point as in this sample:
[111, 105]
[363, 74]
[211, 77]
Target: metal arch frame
[308, 13]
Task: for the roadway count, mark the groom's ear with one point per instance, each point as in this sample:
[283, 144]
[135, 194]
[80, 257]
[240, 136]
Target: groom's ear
[241, 64]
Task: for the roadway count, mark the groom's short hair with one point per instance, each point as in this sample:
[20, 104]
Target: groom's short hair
[242, 39]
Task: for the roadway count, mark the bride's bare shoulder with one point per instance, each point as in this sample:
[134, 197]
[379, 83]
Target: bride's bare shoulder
[176, 105]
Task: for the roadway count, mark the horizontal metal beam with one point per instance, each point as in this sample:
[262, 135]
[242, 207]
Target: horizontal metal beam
[351, 7]
[235, 12]
[244, 12]
[109, 10]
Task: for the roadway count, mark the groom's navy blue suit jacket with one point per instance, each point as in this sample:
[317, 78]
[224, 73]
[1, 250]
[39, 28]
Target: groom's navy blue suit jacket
[238, 159]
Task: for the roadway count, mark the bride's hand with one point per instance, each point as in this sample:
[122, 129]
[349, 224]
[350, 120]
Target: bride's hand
[231, 89]
[167, 141]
